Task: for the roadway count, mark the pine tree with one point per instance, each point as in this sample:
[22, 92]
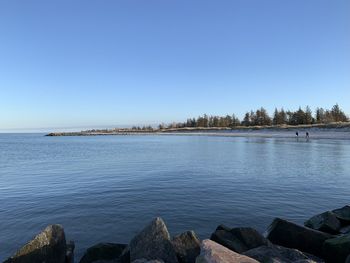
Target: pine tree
[275, 117]
[246, 121]
[308, 115]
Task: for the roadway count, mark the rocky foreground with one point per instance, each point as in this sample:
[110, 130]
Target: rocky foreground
[324, 238]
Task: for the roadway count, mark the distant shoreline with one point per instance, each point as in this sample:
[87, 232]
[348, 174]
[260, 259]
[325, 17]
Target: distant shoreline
[241, 131]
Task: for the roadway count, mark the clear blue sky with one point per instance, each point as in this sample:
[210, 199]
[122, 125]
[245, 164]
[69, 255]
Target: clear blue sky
[94, 63]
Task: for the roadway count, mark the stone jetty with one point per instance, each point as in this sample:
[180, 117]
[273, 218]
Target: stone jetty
[323, 238]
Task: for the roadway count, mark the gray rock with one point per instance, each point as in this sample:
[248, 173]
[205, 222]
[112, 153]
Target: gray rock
[337, 249]
[274, 253]
[284, 233]
[239, 239]
[187, 247]
[343, 214]
[325, 222]
[49, 246]
[103, 251]
[212, 252]
[153, 242]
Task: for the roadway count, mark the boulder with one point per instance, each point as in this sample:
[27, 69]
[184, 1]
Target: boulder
[125, 256]
[103, 251]
[343, 214]
[284, 233]
[212, 252]
[274, 253]
[249, 236]
[153, 242]
[325, 222]
[239, 239]
[227, 239]
[337, 249]
[48, 246]
[223, 227]
[186, 246]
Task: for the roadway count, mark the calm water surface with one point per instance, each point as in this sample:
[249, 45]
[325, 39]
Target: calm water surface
[106, 188]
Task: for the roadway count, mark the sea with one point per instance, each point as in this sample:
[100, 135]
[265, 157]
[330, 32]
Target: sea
[107, 188]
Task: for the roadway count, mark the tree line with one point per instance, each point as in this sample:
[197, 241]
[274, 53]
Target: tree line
[260, 117]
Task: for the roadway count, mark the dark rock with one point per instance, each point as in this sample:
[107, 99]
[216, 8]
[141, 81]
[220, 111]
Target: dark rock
[347, 259]
[187, 247]
[48, 246]
[70, 252]
[153, 242]
[223, 227]
[125, 256]
[343, 214]
[103, 251]
[212, 252]
[239, 239]
[249, 236]
[337, 249]
[287, 234]
[274, 253]
[227, 239]
[325, 222]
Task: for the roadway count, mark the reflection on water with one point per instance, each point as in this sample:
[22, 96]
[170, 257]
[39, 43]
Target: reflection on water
[107, 188]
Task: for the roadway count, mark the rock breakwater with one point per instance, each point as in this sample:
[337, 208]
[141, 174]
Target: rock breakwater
[323, 238]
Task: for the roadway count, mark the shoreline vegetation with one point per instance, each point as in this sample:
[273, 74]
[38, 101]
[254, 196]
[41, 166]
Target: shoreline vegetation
[243, 130]
[324, 238]
[257, 120]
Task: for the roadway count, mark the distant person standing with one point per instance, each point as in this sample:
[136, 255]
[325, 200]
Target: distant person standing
[307, 135]
[297, 134]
